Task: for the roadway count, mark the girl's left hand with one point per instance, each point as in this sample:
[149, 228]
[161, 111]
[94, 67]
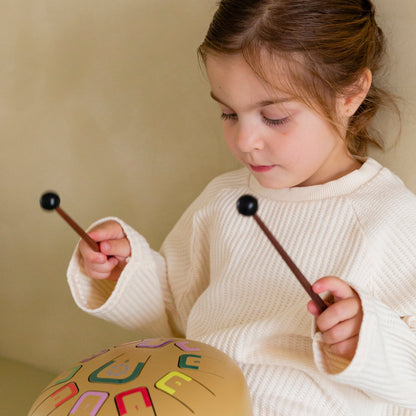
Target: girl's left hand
[340, 323]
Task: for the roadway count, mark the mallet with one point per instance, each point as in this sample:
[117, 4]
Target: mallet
[247, 205]
[50, 201]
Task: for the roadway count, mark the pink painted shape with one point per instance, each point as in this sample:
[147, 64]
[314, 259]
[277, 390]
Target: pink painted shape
[102, 398]
[146, 343]
[183, 347]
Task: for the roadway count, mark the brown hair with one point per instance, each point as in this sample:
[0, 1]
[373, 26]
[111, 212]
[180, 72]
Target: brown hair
[326, 45]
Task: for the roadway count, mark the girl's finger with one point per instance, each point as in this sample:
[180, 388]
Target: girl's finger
[338, 312]
[313, 309]
[343, 331]
[99, 271]
[119, 248]
[337, 287]
[89, 255]
[109, 230]
[345, 348]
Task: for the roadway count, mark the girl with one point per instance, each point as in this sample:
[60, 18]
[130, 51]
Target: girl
[294, 82]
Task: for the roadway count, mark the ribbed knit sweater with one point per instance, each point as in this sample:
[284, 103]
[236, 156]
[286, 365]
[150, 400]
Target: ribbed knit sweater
[218, 279]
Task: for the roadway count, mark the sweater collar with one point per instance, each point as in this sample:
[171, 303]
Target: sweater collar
[338, 187]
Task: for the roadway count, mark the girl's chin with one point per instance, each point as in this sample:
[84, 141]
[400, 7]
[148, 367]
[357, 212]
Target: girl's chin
[270, 183]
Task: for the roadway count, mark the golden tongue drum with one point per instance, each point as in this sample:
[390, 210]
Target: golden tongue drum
[153, 377]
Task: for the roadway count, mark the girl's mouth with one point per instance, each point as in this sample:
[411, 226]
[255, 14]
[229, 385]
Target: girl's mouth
[261, 169]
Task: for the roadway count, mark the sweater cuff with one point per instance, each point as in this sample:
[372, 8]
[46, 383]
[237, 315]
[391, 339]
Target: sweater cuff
[345, 370]
[135, 301]
[89, 294]
[383, 364]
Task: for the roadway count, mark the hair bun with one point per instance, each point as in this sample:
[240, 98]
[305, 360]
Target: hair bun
[369, 8]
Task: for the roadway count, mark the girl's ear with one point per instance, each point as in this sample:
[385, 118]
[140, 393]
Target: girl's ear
[349, 103]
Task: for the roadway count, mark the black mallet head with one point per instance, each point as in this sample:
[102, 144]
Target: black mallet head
[50, 201]
[247, 205]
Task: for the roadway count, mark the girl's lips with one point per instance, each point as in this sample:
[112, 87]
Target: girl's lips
[261, 169]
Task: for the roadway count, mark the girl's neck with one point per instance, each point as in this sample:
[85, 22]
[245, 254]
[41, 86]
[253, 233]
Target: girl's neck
[334, 169]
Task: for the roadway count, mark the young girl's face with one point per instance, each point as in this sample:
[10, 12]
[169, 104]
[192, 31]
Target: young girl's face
[282, 141]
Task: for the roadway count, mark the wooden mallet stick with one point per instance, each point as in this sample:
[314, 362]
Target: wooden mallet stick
[247, 205]
[50, 201]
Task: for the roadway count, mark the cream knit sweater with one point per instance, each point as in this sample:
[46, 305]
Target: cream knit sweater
[217, 279]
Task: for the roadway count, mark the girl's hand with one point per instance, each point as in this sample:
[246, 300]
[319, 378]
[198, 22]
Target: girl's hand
[114, 246]
[340, 323]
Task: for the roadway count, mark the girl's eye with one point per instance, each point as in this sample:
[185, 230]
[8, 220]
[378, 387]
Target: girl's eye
[229, 116]
[267, 121]
[275, 122]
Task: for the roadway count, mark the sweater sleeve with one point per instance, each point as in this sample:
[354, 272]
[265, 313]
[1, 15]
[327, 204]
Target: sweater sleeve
[384, 365]
[156, 290]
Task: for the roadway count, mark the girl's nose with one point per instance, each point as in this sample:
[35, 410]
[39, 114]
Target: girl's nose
[248, 139]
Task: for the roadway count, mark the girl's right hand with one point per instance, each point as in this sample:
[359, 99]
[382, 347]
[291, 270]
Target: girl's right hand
[115, 249]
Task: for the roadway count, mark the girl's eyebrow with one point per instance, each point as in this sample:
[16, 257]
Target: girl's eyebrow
[263, 103]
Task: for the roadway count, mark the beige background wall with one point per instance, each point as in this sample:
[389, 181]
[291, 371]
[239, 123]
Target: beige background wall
[105, 103]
